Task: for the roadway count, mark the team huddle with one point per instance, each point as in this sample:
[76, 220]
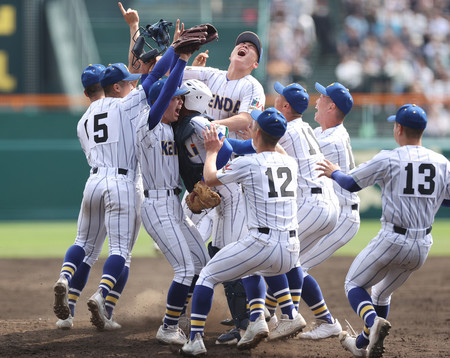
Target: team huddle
[267, 197]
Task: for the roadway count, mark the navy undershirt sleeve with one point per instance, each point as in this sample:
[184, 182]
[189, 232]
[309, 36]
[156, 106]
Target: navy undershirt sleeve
[241, 147]
[345, 181]
[159, 107]
[446, 203]
[160, 69]
[224, 153]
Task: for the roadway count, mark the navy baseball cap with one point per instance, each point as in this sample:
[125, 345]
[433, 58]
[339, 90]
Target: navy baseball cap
[156, 88]
[117, 72]
[411, 116]
[92, 75]
[338, 94]
[271, 121]
[248, 36]
[295, 94]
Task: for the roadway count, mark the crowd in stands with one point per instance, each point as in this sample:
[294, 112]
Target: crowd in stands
[389, 46]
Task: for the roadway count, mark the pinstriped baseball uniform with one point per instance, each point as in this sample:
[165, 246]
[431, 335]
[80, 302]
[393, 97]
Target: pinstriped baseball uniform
[269, 184]
[111, 200]
[162, 213]
[335, 145]
[229, 99]
[317, 204]
[414, 181]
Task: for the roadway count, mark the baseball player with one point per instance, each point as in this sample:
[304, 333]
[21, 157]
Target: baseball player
[188, 134]
[235, 93]
[317, 204]
[414, 182]
[271, 246]
[334, 103]
[162, 213]
[110, 201]
[91, 81]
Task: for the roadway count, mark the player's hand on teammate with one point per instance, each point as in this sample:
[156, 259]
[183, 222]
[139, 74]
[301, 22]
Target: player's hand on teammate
[211, 139]
[327, 168]
[200, 59]
[245, 133]
[131, 16]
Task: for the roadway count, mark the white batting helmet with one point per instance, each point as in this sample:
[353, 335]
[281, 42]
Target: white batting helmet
[198, 97]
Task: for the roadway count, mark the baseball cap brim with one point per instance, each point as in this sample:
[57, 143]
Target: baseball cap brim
[321, 89]
[132, 77]
[391, 118]
[249, 36]
[180, 92]
[278, 87]
[255, 114]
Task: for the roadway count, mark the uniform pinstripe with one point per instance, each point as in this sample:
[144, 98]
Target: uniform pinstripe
[269, 184]
[335, 145]
[414, 181]
[162, 213]
[229, 99]
[317, 212]
[111, 200]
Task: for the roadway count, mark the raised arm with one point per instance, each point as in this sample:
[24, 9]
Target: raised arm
[131, 17]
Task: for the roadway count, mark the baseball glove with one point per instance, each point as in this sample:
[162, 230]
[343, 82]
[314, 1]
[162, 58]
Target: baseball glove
[202, 197]
[192, 39]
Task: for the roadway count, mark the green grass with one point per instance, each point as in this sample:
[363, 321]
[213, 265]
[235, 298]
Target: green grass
[51, 239]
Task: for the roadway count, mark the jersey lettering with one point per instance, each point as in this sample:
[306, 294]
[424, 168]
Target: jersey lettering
[168, 148]
[224, 103]
[417, 179]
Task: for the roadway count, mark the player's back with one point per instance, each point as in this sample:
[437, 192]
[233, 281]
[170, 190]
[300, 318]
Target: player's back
[414, 182]
[335, 145]
[110, 126]
[300, 143]
[270, 190]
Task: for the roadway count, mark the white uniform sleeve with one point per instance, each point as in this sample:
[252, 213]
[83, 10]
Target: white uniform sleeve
[197, 73]
[372, 171]
[134, 103]
[234, 172]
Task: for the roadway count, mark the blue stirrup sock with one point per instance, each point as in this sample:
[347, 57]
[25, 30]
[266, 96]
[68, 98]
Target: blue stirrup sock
[73, 258]
[295, 279]
[255, 288]
[189, 295]
[362, 304]
[280, 287]
[313, 297]
[176, 298]
[202, 299]
[112, 269]
[114, 295]
[77, 285]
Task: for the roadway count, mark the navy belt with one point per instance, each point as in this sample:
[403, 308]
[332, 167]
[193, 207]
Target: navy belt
[266, 230]
[316, 190]
[176, 191]
[402, 231]
[355, 207]
[119, 171]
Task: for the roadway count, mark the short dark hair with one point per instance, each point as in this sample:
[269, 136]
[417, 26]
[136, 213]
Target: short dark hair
[412, 132]
[267, 138]
[93, 90]
[109, 88]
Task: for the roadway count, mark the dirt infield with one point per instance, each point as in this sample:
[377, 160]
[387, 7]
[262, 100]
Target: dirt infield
[420, 314]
